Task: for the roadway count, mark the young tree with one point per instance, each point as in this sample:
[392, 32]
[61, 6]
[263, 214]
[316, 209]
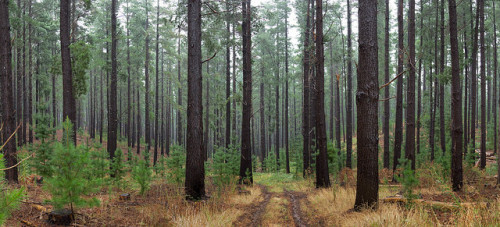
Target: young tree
[112, 114]
[246, 155]
[456, 102]
[69, 104]
[322, 177]
[8, 113]
[367, 102]
[195, 162]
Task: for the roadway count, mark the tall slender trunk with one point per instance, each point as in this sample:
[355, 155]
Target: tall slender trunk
[262, 119]
[349, 90]
[246, 156]
[207, 110]
[129, 93]
[398, 136]
[8, 112]
[410, 99]
[228, 80]
[179, 91]
[367, 103]
[474, 81]
[322, 176]
[419, 84]
[387, 103]
[495, 72]
[147, 129]
[306, 108]
[195, 162]
[157, 92]
[286, 133]
[277, 118]
[441, 85]
[30, 78]
[483, 84]
[112, 114]
[20, 74]
[69, 104]
[456, 102]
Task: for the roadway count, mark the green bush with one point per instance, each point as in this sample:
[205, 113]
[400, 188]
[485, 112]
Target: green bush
[175, 165]
[9, 198]
[142, 173]
[117, 168]
[71, 168]
[408, 179]
[225, 165]
[270, 162]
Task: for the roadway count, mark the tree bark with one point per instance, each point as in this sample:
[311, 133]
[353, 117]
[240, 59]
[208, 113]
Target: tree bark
[286, 133]
[387, 102]
[322, 177]
[157, 92]
[306, 109]
[147, 130]
[69, 104]
[410, 99]
[483, 85]
[112, 114]
[398, 136]
[367, 103]
[349, 91]
[456, 102]
[246, 156]
[441, 85]
[195, 165]
[8, 112]
[228, 80]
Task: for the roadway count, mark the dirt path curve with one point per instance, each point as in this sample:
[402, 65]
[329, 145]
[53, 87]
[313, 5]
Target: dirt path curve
[294, 206]
[253, 212]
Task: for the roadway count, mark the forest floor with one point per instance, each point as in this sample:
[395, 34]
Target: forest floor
[279, 199]
[276, 199]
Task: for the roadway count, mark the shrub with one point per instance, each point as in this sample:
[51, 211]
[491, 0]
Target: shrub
[70, 181]
[9, 198]
[117, 168]
[142, 173]
[175, 165]
[408, 179]
[225, 165]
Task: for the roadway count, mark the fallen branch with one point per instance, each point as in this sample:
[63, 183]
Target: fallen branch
[14, 166]
[434, 204]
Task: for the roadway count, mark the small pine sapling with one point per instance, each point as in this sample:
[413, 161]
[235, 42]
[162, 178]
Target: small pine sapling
[44, 150]
[9, 198]
[117, 168]
[142, 173]
[70, 181]
[175, 165]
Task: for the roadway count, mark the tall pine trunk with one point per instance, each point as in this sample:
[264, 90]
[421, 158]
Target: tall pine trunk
[69, 104]
[367, 103]
[112, 114]
[195, 163]
[456, 102]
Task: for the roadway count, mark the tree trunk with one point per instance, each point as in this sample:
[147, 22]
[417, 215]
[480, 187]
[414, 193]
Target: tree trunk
[367, 103]
[322, 177]
[228, 80]
[456, 102]
[147, 130]
[398, 136]
[129, 91]
[262, 120]
[306, 109]
[387, 102]
[112, 114]
[349, 90]
[246, 156]
[410, 99]
[474, 81]
[441, 85]
[285, 133]
[179, 91]
[20, 74]
[483, 85]
[8, 112]
[69, 104]
[195, 164]
[157, 92]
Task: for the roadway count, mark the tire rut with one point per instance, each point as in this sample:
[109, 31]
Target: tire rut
[253, 212]
[295, 208]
